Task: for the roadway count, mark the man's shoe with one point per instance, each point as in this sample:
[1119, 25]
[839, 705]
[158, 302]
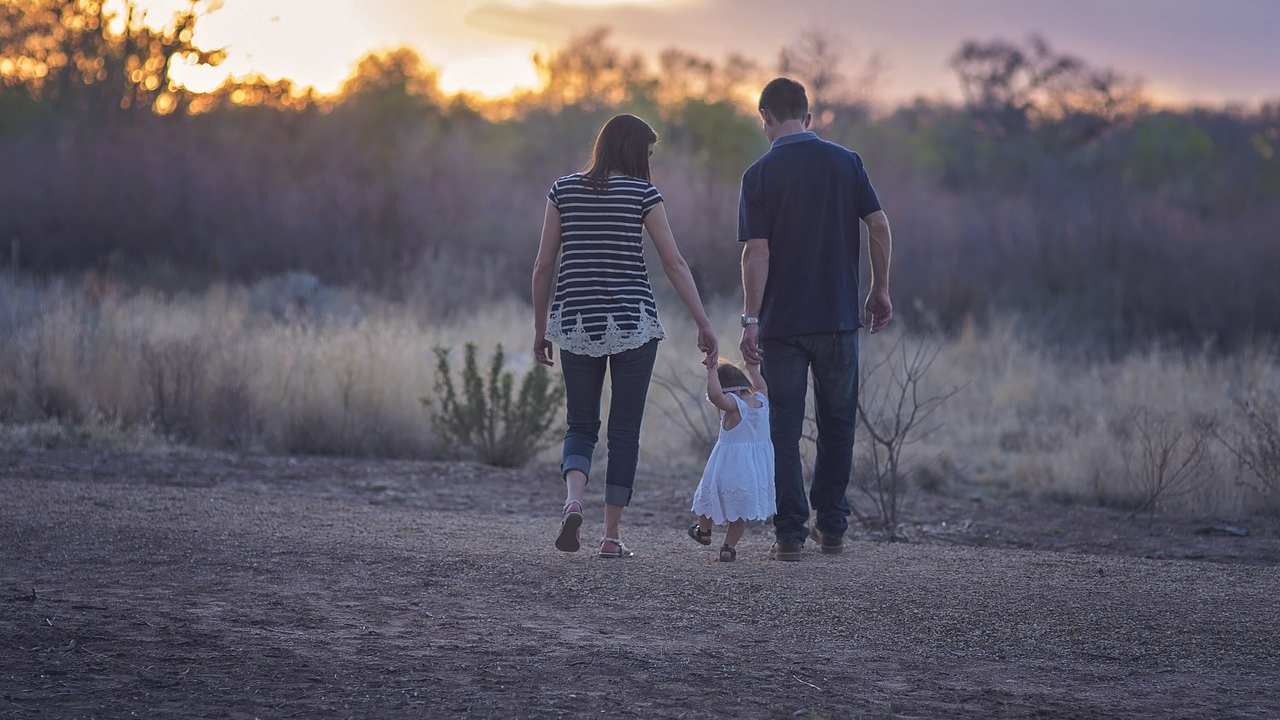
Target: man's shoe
[829, 544]
[787, 552]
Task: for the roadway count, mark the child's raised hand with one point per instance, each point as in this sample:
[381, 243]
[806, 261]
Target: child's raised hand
[709, 361]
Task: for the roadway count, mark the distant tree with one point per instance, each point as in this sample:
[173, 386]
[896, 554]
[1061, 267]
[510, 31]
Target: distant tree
[398, 76]
[739, 78]
[683, 75]
[817, 60]
[1008, 87]
[256, 91]
[589, 73]
[98, 59]
[999, 79]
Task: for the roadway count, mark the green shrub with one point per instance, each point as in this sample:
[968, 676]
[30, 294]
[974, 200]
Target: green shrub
[488, 422]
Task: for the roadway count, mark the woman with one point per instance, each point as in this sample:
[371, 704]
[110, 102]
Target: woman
[603, 315]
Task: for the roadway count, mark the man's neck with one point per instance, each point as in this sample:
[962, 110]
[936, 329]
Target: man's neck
[790, 127]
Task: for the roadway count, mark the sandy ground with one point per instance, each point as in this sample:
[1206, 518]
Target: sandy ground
[185, 585]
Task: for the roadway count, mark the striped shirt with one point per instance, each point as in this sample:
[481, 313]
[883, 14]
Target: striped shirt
[603, 303]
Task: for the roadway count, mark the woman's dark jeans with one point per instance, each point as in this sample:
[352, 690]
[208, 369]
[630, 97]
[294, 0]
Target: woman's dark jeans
[629, 374]
[833, 359]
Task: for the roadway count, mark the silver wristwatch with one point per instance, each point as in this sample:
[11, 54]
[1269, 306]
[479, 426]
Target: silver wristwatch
[749, 320]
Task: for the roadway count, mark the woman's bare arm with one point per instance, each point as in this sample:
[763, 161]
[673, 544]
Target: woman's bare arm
[677, 270]
[544, 268]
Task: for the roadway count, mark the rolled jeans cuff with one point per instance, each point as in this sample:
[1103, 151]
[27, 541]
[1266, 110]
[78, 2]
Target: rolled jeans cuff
[619, 495]
[576, 462]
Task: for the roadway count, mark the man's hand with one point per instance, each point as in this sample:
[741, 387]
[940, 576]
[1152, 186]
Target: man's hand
[879, 309]
[542, 349]
[750, 345]
[708, 344]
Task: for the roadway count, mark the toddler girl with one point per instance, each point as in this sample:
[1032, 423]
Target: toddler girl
[737, 484]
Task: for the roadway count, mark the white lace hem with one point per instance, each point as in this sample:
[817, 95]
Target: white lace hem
[612, 341]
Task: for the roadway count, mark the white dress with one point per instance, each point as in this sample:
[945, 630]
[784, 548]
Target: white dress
[738, 481]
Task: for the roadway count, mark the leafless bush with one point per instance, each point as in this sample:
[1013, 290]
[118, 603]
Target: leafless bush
[231, 420]
[46, 396]
[1256, 446]
[896, 412]
[1165, 460]
[689, 409]
[310, 429]
[174, 373]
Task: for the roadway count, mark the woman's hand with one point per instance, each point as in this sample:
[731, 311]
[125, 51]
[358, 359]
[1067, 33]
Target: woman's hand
[542, 352]
[707, 342]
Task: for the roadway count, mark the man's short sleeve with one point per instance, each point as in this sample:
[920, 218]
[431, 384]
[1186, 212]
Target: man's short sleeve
[865, 197]
[753, 213]
[554, 194]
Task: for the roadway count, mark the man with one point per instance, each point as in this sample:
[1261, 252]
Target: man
[798, 219]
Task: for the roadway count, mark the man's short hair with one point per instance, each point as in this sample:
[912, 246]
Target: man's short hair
[785, 99]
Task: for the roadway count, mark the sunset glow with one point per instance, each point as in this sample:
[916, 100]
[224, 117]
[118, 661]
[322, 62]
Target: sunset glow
[485, 47]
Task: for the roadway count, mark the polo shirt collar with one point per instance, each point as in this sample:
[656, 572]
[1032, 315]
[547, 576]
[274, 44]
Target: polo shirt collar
[795, 138]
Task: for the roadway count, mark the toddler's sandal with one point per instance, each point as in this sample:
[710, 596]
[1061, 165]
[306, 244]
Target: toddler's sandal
[698, 536]
[728, 554]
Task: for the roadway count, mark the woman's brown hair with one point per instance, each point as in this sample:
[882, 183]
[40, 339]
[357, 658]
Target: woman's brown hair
[621, 147]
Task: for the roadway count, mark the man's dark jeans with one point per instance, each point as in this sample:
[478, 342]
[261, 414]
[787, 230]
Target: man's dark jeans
[833, 358]
[629, 374]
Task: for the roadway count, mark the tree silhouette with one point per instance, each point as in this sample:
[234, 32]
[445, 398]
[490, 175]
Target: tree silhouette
[398, 75]
[590, 73]
[1008, 86]
[82, 56]
[816, 59]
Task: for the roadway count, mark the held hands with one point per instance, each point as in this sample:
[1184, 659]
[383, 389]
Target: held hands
[879, 309]
[708, 344]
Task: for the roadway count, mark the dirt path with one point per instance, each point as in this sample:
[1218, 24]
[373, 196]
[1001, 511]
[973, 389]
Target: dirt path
[322, 589]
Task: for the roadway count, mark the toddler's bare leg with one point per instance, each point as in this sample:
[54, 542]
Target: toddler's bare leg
[704, 524]
[736, 529]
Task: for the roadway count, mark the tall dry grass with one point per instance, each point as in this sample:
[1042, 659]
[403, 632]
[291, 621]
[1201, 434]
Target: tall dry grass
[288, 366]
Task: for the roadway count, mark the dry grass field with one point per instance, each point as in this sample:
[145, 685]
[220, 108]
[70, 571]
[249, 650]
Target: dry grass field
[289, 366]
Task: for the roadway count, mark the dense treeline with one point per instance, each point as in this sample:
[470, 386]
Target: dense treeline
[1053, 190]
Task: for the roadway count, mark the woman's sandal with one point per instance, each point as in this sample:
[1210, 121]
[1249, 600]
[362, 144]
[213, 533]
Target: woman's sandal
[700, 537]
[622, 552]
[570, 537]
[728, 554]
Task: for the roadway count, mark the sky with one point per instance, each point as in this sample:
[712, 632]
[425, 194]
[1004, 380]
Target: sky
[1184, 50]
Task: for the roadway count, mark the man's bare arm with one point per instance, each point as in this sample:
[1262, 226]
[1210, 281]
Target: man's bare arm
[755, 273]
[757, 379]
[880, 243]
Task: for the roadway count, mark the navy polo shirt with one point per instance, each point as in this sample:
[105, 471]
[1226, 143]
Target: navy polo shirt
[806, 196]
